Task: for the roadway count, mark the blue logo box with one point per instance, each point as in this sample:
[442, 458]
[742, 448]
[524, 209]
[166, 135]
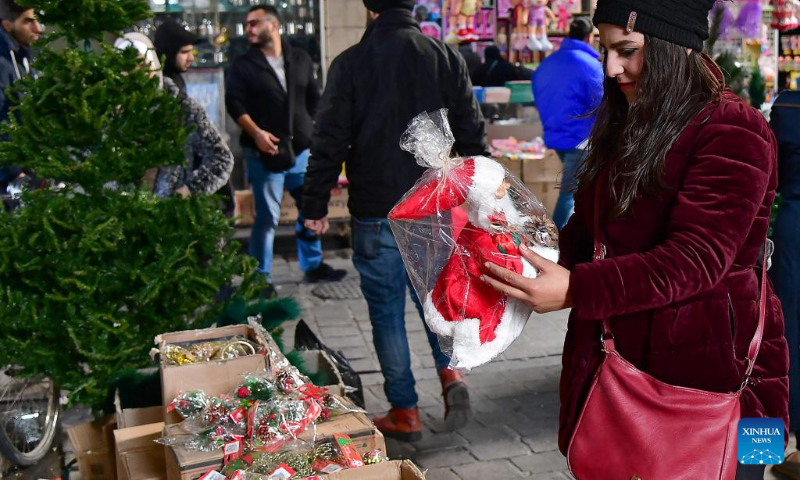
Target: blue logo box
[760, 441]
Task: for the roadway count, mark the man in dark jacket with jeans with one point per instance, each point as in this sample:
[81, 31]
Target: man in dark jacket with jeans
[272, 94]
[374, 89]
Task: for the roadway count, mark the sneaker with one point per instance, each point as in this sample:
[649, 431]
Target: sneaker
[546, 45]
[452, 38]
[324, 273]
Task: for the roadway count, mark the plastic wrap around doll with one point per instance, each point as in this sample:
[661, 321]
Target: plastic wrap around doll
[460, 215]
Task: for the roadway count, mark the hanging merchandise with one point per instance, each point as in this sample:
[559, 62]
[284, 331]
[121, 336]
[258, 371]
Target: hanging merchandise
[539, 18]
[519, 25]
[563, 14]
[461, 214]
[784, 15]
[726, 17]
[749, 20]
[461, 14]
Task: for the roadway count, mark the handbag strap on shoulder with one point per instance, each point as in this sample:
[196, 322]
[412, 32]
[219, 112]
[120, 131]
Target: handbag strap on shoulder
[601, 252]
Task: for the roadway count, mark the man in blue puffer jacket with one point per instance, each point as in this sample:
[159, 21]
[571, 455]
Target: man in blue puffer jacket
[19, 30]
[567, 86]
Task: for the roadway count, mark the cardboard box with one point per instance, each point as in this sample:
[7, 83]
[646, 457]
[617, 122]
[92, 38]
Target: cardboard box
[337, 206]
[318, 362]
[394, 470]
[547, 193]
[144, 464]
[245, 209]
[513, 166]
[138, 457]
[133, 417]
[522, 131]
[214, 378]
[548, 169]
[184, 464]
[93, 443]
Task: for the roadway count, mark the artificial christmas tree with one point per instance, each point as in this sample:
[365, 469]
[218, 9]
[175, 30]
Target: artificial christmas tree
[91, 270]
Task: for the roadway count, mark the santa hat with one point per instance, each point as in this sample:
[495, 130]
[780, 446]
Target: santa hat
[452, 188]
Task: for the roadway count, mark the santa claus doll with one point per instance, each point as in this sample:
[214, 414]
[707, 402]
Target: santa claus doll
[462, 214]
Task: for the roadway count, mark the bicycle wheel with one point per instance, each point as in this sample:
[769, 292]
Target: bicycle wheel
[29, 409]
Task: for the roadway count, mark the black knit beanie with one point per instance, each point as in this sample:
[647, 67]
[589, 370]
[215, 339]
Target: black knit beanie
[682, 22]
[379, 6]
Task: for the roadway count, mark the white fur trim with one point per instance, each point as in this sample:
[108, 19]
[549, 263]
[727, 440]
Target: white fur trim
[468, 351]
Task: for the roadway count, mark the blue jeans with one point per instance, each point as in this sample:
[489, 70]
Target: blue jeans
[565, 205]
[383, 283]
[267, 194]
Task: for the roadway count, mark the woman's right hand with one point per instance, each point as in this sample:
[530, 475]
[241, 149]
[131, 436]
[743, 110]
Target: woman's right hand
[266, 142]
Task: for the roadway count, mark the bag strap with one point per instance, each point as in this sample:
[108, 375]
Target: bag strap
[601, 251]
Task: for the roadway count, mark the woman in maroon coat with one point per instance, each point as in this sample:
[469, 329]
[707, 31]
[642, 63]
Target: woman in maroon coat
[691, 175]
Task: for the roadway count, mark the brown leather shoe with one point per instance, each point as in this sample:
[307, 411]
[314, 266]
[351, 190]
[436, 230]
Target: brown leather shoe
[401, 423]
[457, 412]
[790, 467]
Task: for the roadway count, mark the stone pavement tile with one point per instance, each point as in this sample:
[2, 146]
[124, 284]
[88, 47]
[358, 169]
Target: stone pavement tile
[495, 450]
[337, 343]
[339, 331]
[440, 441]
[499, 391]
[356, 352]
[540, 435]
[537, 411]
[372, 379]
[374, 403]
[443, 458]
[495, 469]
[480, 379]
[541, 462]
[563, 475]
[503, 416]
[427, 400]
[477, 434]
[441, 474]
[397, 450]
[365, 365]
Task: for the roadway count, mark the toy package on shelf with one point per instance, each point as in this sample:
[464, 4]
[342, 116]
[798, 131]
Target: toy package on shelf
[462, 213]
[513, 149]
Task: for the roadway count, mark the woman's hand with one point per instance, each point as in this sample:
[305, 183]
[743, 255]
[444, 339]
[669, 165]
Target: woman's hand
[546, 293]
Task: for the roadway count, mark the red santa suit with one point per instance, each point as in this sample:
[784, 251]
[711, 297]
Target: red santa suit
[481, 321]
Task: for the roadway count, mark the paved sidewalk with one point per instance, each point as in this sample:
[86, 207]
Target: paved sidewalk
[515, 398]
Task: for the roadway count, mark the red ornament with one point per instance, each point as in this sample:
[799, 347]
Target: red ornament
[243, 392]
[325, 415]
[784, 15]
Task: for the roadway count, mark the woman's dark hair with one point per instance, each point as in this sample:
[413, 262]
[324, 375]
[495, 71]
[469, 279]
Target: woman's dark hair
[672, 90]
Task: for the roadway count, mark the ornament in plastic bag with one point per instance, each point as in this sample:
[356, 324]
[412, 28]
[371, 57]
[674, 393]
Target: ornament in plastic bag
[462, 213]
[189, 404]
[255, 388]
[277, 421]
[784, 15]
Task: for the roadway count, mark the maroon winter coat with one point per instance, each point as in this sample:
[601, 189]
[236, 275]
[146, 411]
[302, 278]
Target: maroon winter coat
[680, 285]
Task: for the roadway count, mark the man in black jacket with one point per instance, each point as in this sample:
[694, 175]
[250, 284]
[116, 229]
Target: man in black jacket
[272, 94]
[374, 89]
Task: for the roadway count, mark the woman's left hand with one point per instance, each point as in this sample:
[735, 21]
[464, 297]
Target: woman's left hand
[547, 292]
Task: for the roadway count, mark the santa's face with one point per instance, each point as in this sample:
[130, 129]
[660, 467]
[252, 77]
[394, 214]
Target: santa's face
[502, 190]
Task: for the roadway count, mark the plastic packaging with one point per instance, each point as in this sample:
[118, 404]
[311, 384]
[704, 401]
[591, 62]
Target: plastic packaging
[462, 213]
